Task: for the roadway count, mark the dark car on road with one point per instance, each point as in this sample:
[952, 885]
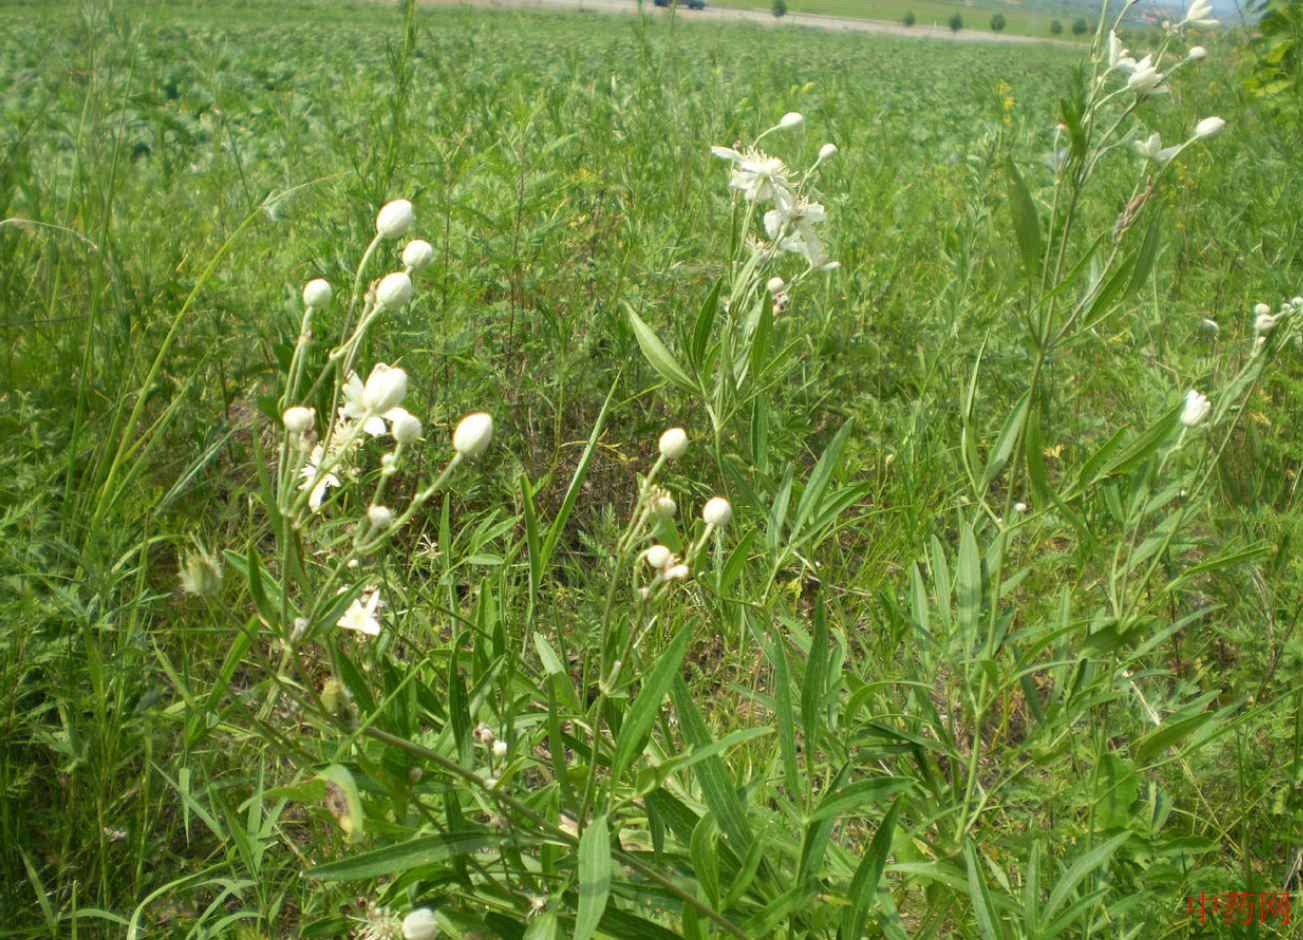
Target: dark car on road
[690, 4]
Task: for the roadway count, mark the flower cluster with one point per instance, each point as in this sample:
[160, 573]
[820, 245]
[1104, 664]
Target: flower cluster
[653, 519]
[315, 463]
[762, 180]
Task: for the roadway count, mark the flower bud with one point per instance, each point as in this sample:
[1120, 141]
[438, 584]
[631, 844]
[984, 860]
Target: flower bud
[827, 151]
[677, 573]
[1196, 53]
[414, 775]
[394, 290]
[775, 285]
[674, 443]
[658, 556]
[384, 389]
[420, 925]
[1264, 323]
[1261, 310]
[791, 120]
[407, 429]
[717, 511]
[664, 506]
[381, 517]
[1210, 326]
[316, 294]
[484, 733]
[473, 434]
[499, 748]
[298, 419]
[395, 219]
[1196, 410]
[1209, 128]
[418, 255]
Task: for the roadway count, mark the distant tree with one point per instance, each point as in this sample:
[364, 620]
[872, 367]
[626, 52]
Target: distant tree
[956, 22]
[780, 8]
[997, 22]
[1079, 26]
[909, 18]
[1056, 27]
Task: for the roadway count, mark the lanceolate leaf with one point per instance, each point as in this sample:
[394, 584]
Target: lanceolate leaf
[661, 359]
[1026, 225]
[594, 877]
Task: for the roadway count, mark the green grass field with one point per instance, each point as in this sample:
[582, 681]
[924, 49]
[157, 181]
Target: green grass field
[997, 633]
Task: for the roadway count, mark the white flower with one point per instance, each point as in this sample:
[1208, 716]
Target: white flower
[775, 285]
[382, 517]
[1196, 410]
[1146, 79]
[1152, 149]
[758, 176]
[827, 151]
[384, 390]
[674, 443]
[395, 219]
[394, 290]
[406, 428]
[473, 434]
[791, 120]
[717, 511]
[1196, 53]
[362, 617]
[1118, 60]
[378, 924]
[658, 556]
[318, 486]
[499, 748]
[418, 255]
[317, 293]
[201, 572]
[1199, 14]
[298, 419]
[1208, 128]
[794, 230]
[420, 925]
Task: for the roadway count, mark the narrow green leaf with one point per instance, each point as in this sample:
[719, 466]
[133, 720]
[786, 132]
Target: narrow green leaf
[576, 482]
[705, 859]
[701, 330]
[969, 586]
[661, 359]
[812, 688]
[1008, 438]
[864, 883]
[820, 477]
[1095, 858]
[980, 896]
[1034, 455]
[392, 859]
[1145, 257]
[594, 877]
[1026, 224]
[642, 713]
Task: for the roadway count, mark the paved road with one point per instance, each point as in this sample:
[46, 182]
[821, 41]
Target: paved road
[760, 18]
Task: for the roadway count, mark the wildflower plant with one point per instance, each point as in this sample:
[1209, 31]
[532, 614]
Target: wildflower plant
[729, 357]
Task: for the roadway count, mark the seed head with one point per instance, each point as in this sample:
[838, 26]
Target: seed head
[395, 219]
[298, 419]
[407, 429]
[418, 255]
[674, 443]
[473, 434]
[394, 290]
[317, 294]
[717, 511]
